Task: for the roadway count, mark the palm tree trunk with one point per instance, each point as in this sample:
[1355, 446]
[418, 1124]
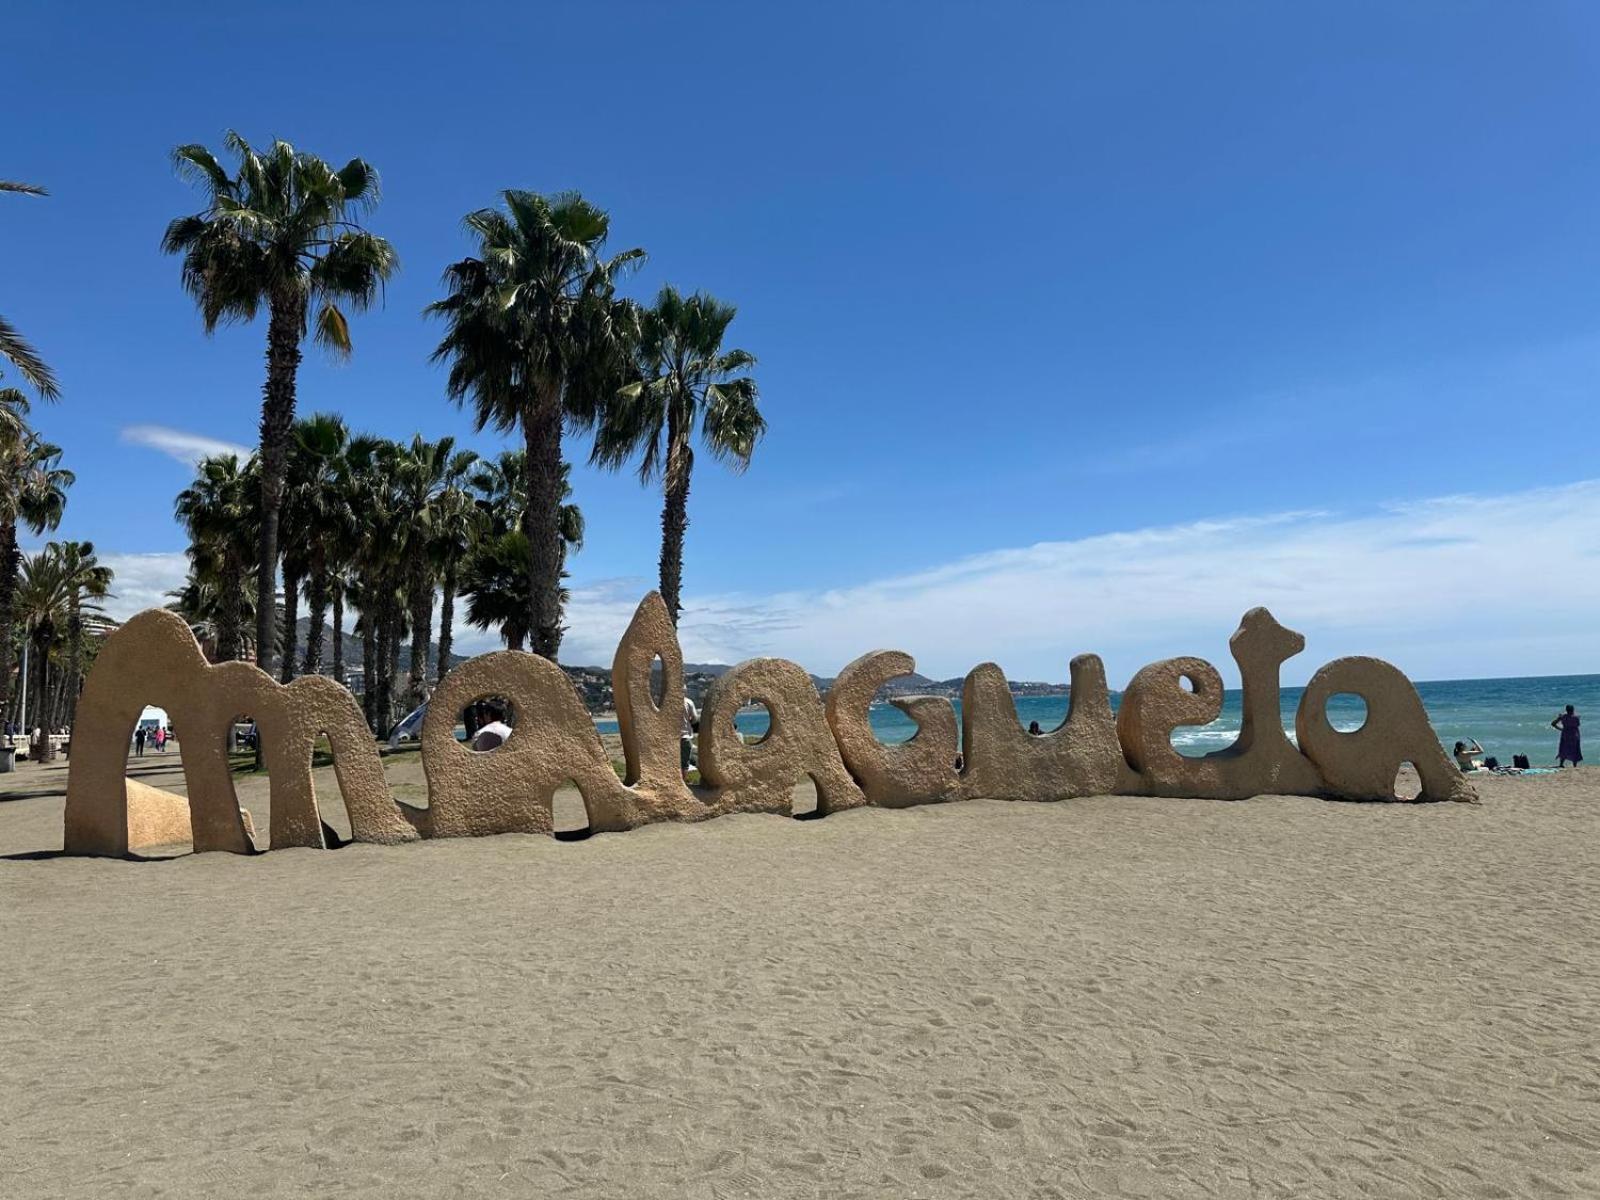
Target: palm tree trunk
[58, 700]
[338, 632]
[229, 616]
[41, 657]
[277, 423]
[369, 672]
[291, 621]
[380, 691]
[10, 560]
[75, 663]
[317, 604]
[675, 514]
[541, 524]
[447, 616]
[421, 595]
[391, 666]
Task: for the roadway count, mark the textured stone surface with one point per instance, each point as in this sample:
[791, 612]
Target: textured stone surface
[1361, 765]
[157, 817]
[650, 731]
[511, 789]
[919, 771]
[154, 659]
[1002, 761]
[1261, 760]
[759, 777]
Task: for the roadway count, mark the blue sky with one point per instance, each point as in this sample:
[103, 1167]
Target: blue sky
[1080, 326]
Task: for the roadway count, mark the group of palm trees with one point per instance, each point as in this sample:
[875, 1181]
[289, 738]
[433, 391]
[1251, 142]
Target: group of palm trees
[381, 529]
[537, 340]
[50, 598]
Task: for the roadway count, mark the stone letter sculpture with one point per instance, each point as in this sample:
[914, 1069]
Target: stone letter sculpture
[154, 659]
[921, 770]
[758, 777]
[1261, 760]
[1361, 765]
[1005, 762]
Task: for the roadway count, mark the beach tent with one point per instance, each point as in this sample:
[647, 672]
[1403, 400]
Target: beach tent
[410, 728]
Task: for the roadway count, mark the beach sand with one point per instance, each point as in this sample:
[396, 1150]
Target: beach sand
[1106, 997]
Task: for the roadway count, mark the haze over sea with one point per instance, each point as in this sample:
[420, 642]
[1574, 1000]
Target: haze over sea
[1508, 716]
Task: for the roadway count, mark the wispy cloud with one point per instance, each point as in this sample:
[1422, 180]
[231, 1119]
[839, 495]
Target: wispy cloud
[180, 444]
[1453, 587]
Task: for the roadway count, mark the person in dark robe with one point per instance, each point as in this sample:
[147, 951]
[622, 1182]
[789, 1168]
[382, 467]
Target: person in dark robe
[1570, 750]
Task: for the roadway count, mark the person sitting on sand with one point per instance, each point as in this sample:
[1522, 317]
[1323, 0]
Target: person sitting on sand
[1569, 751]
[495, 731]
[1463, 755]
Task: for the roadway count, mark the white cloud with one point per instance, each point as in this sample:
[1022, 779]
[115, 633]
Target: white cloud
[142, 581]
[1456, 587]
[186, 447]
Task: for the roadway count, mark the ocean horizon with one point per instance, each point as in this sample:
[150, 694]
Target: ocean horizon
[1507, 716]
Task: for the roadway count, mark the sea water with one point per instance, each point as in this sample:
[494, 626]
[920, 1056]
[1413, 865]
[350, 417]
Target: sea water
[1507, 716]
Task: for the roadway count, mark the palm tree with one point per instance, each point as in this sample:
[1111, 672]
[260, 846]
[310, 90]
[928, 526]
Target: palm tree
[50, 597]
[33, 493]
[14, 348]
[426, 473]
[687, 381]
[219, 510]
[318, 480]
[282, 232]
[377, 567]
[206, 606]
[495, 575]
[537, 337]
[86, 579]
[457, 524]
[311, 507]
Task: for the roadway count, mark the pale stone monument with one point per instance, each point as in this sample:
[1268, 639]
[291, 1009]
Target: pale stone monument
[510, 789]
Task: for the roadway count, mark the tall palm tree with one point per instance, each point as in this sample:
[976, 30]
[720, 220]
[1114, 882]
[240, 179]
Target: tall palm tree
[86, 579]
[458, 522]
[50, 598]
[426, 473]
[282, 232]
[495, 576]
[326, 519]
[14, 348]
[687, 384]
[377, 569]
[219, 510]
[33, 494]
[537, 338]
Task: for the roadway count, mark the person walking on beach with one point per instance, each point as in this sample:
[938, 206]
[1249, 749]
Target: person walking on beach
[138, 742]
[161, 740]
[1570, 750]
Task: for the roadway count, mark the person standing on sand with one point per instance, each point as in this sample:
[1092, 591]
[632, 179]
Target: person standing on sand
[1570, 749]
[138, 742]
[691, 726]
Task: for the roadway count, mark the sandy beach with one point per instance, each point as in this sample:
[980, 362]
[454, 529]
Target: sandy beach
[1107, 997]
